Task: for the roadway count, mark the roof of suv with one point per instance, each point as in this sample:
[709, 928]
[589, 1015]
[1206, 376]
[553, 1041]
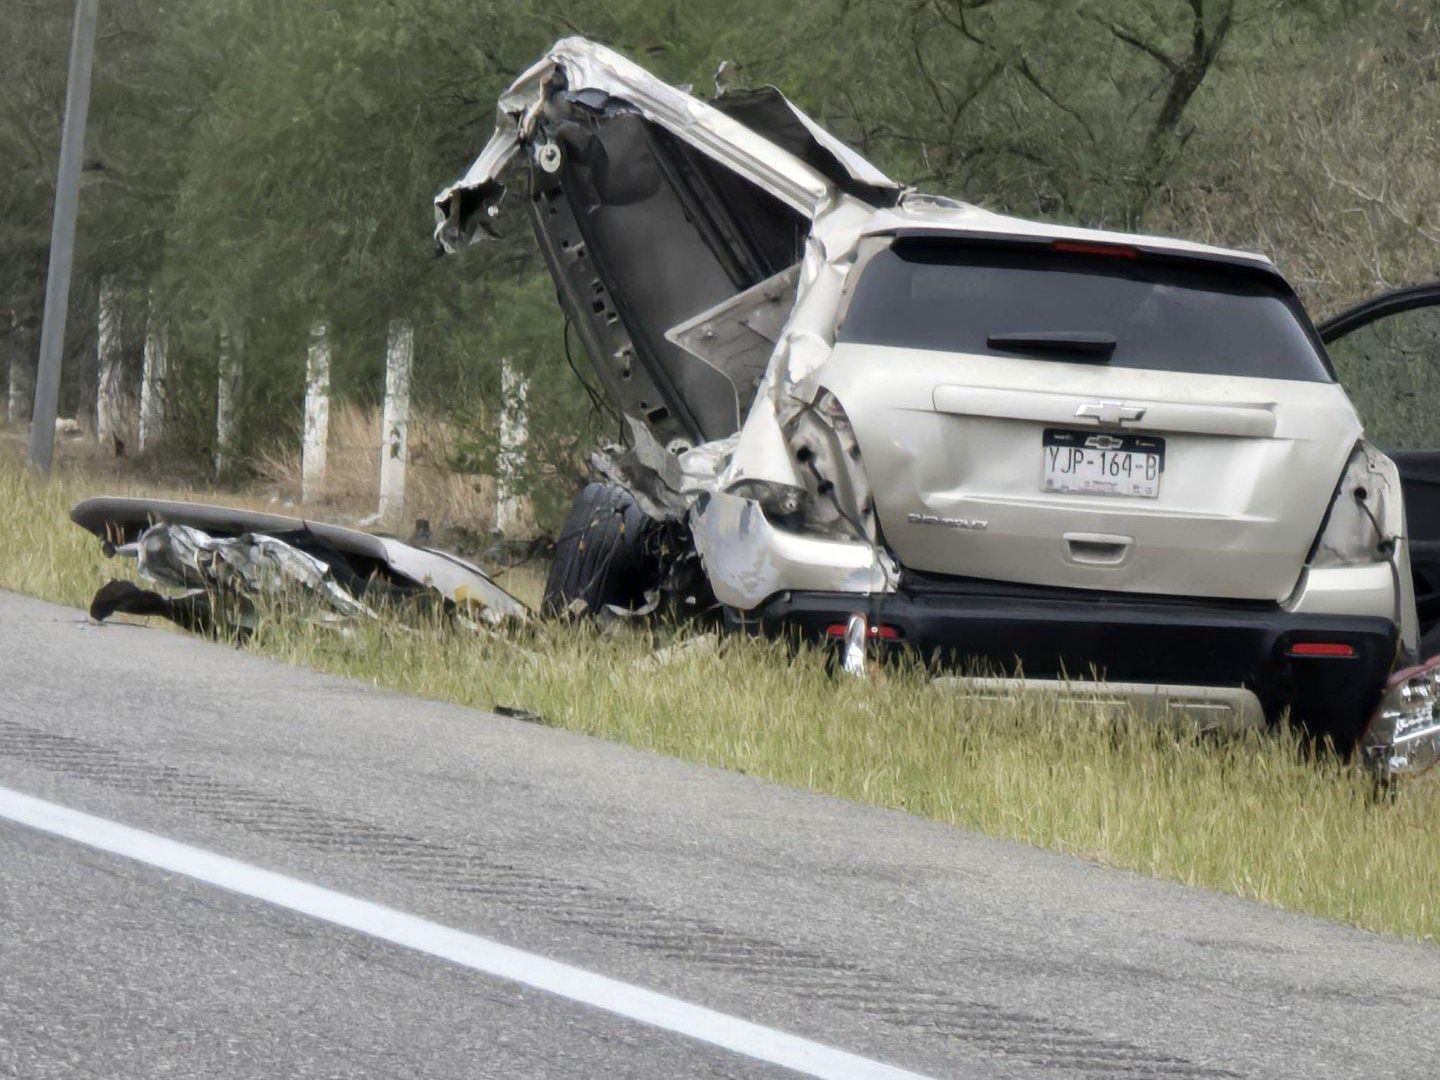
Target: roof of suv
[920, 214]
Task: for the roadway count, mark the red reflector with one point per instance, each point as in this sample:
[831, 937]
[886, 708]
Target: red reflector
[1078, 247]
[888, 633]
[1321, 648]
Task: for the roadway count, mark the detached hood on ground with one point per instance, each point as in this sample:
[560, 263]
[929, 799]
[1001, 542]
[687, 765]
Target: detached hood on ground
[680, 234]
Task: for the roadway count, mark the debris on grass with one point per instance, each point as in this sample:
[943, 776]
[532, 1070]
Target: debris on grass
[223, 561]
[1255, 814]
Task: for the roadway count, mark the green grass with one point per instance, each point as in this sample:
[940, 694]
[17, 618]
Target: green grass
[1247, 815]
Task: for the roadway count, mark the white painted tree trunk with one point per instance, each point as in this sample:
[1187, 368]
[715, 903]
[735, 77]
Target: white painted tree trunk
[395, 435]
[152, 378]
[510, 508]
[20, 397]
[315, 438]
[109, 419]
[230, 366]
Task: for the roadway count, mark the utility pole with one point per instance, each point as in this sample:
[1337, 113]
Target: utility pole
[62, 235]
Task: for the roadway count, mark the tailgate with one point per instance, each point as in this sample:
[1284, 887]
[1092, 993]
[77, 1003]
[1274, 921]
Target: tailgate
[1249, 468]
[1092, 421]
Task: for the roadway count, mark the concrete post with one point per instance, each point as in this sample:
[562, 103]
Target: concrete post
[20, 398]
[110, 386]
[230, 367]
[395, 435]
[315, 437]
[152, 379]
[510, 515]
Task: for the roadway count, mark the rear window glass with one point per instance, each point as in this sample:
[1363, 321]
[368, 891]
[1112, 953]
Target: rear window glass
[1162, 316]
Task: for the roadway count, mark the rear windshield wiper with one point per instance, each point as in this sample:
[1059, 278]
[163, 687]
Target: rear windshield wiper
[1081, 344]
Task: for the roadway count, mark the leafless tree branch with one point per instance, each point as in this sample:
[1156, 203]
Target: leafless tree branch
[1028, 74]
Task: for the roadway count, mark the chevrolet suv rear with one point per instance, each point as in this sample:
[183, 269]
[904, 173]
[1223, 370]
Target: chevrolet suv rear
[1050, 451]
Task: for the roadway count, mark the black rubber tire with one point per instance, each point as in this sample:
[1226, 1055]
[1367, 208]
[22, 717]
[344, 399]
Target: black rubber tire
[602, 556]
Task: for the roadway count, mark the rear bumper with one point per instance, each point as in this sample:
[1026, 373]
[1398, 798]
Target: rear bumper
[1055, 634]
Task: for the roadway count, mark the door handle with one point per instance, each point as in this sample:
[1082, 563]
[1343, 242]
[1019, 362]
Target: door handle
[1097, 549]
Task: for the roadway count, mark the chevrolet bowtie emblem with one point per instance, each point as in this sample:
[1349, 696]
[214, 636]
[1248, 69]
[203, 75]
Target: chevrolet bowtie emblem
[1110, 412]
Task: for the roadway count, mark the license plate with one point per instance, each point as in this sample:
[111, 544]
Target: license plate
[1099, 463]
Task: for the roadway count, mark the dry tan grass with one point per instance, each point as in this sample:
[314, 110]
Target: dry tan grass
[82, 470]
[1254, 816]
[447, 499]
[352, 473]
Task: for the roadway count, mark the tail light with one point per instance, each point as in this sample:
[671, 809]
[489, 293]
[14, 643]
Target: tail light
[831, 494]
[881, 633]
[1333, 650]
[1080, 247]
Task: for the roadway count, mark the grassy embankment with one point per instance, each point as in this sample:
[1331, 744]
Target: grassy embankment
[1249, 816]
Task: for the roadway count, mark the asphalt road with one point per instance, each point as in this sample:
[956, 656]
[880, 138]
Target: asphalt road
[918, 946]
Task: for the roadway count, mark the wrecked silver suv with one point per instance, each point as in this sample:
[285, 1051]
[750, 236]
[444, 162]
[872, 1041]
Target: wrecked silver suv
[863, 412]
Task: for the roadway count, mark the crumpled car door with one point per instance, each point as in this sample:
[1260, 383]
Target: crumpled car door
[673, 227]
[1386, 351]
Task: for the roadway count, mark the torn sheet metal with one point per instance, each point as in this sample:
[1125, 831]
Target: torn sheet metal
[768, 112]
[746, 556]
[757, 342]
[763, 453]
[663, 483]
[738, 335]
[575, 64]
[183, 557]
[222, 578]
[217, 551]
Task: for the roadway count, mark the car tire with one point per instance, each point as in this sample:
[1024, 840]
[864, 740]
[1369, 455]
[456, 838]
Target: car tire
[602, 556]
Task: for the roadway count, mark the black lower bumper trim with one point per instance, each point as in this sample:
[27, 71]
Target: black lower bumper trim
[1125, 639]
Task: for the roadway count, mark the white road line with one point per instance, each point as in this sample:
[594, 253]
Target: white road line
[471, 950]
